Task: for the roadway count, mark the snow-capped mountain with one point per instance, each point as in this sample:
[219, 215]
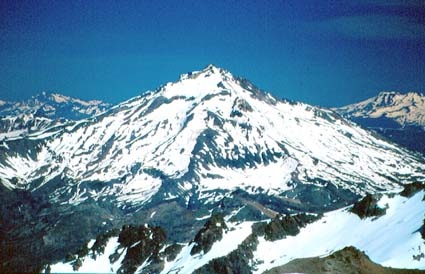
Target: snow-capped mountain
[208, 131]
[391, 238]
[209, 141]
[404, 109]
[398, 117]
[53, 106]
[43, 111]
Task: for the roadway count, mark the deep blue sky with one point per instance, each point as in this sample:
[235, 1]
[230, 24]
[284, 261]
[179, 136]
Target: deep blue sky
[327, 53]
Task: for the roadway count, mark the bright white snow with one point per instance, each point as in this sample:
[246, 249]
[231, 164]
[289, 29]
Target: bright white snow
[185, 263]
[390, 240]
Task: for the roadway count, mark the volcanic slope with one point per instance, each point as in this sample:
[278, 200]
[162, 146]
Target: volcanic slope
[199, 139]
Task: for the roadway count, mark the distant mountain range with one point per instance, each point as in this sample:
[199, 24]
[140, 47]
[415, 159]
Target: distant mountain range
[43, 111]
[207, 172]
[398, 117]
[53, 106]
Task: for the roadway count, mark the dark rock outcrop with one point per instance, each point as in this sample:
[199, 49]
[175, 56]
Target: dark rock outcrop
[142, 243]
[282, 226]
[209, 234]
[368, 207]
[411, 189]
[170, 252]
[236, 262]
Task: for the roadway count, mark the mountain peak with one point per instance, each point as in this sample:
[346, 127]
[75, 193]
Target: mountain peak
[207, 71]
[212, 81]
[404, 108]
[387, 94]
[211, 67]
[209, 81]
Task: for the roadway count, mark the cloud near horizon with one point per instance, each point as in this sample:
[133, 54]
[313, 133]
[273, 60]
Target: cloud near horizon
[393, 3]
[373, 27]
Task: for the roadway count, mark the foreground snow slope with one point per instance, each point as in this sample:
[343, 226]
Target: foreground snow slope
[183, 263]
[391, 240]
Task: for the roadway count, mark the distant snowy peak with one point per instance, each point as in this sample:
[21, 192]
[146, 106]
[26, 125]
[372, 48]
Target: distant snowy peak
[53, 106]
[405, 109]
[43, 111]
